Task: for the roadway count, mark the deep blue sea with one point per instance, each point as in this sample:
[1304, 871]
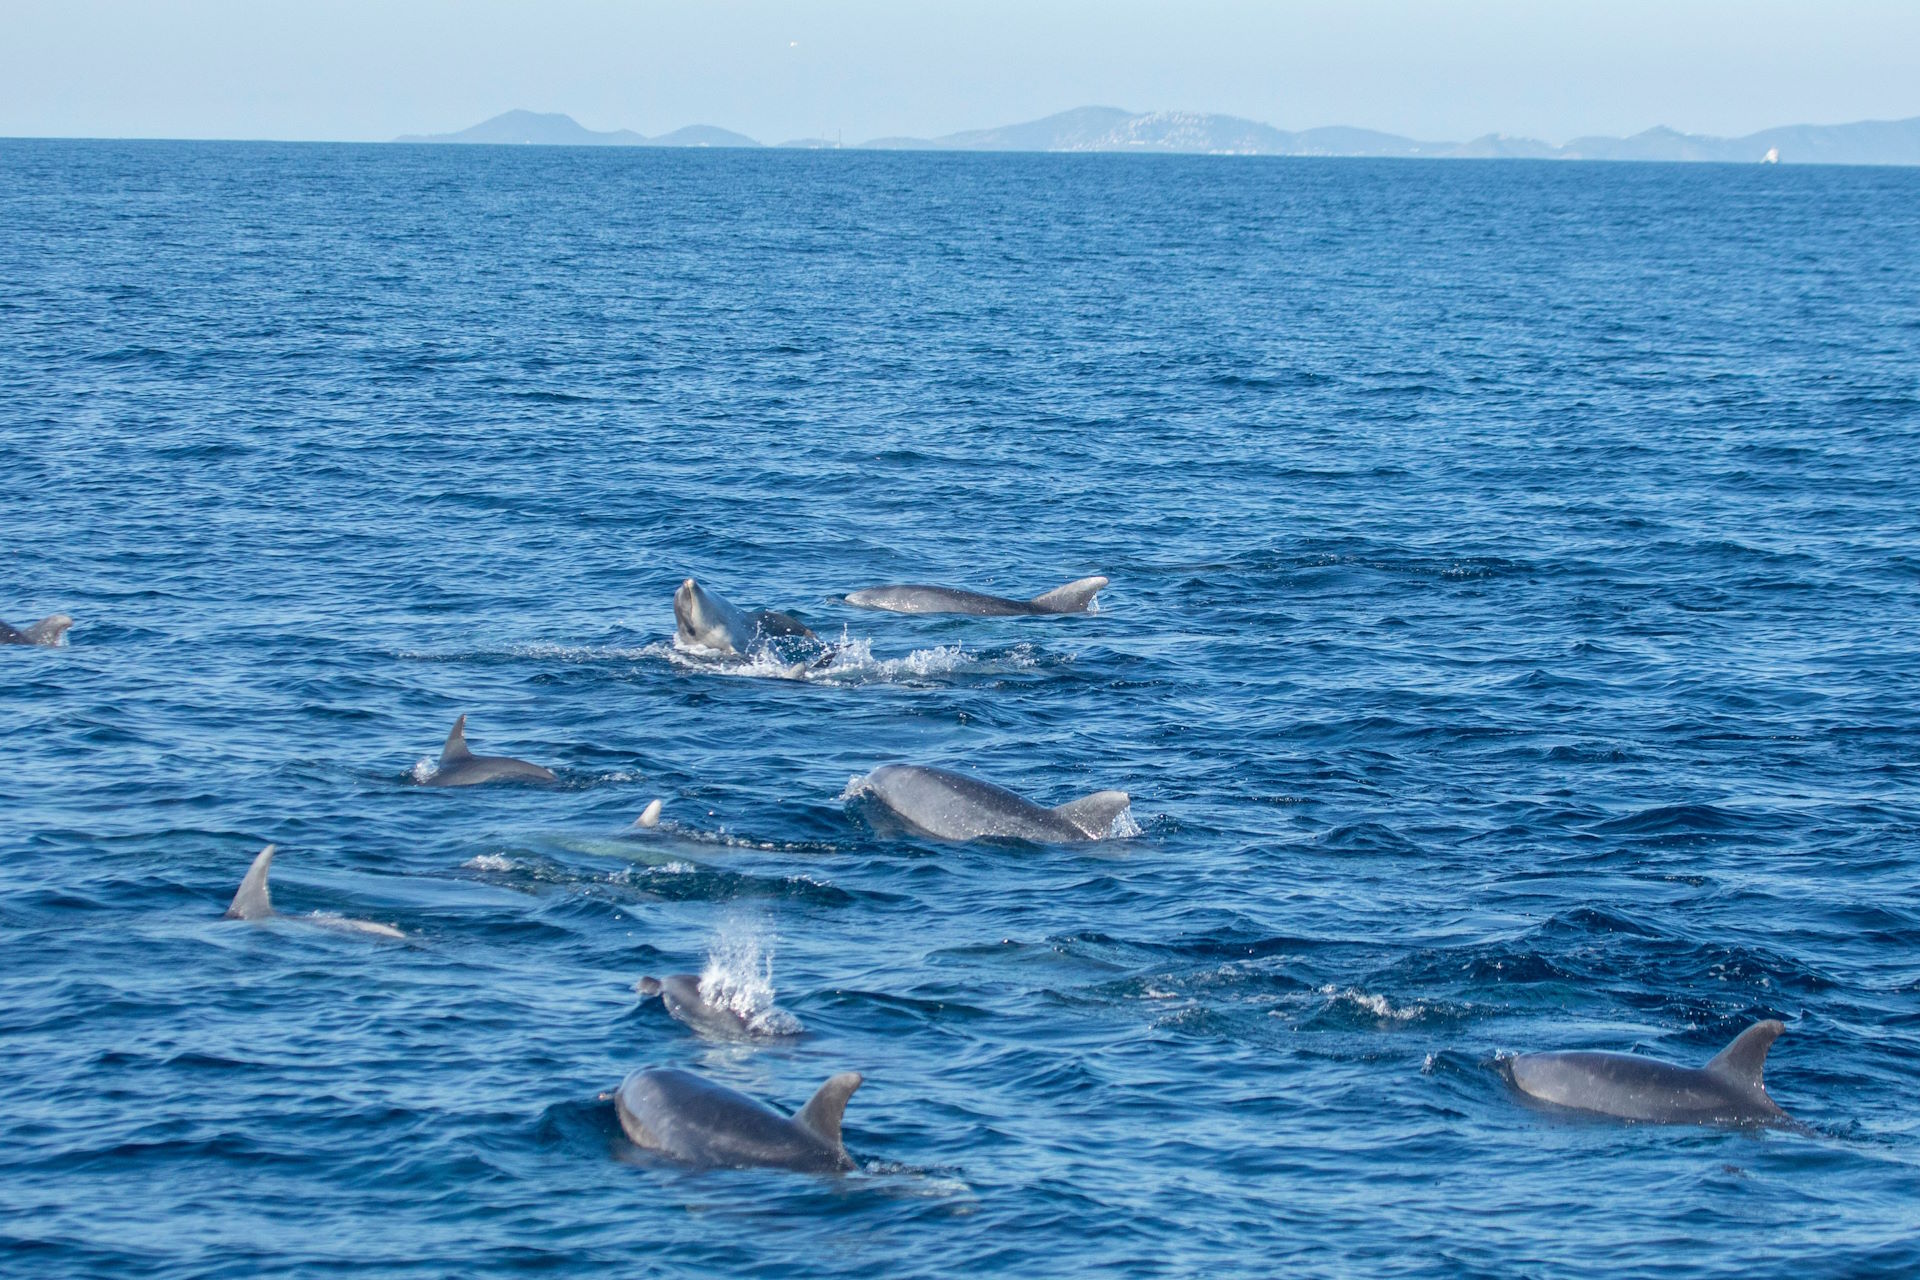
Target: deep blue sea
[1513, 643]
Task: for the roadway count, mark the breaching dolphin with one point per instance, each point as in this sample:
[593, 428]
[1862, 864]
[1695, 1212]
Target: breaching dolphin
[703, 618]
[680, 1115]
[681, 994]
[459, 767]
[47, 631]
[951, 806]
[1075, 597]
[253, 902]
[1728, 1090]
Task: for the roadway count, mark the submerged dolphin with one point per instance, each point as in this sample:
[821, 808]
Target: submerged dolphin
[253, 902]
[459, 767]
[703, 618]
[678, 1114]
[47, 631]
[681, 994]
[1075, 597]
[951, 806]
[1728, 1090]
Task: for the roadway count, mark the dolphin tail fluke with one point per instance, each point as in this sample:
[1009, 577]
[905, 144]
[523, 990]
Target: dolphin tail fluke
[252, 902]
[821, 1116]
[49, 629]
[1075, 597]
[456, 748]
[1743, 1062]
[1094, 814]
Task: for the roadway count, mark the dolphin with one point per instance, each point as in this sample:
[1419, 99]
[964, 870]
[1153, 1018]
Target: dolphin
[253, 902]
[951, 806]
[459, 767]
[703, 618]
[1728, 1090]
[693, 1120]
[681, 994]
[1075, 597]
[48, 631]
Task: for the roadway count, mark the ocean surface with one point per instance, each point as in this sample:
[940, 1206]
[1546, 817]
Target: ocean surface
[1513, 643]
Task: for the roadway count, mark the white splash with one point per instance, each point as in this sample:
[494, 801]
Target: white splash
[739, 978]
[849, 661]
[1123, 827]
[489, 862]
[1378, 1006]
[424, 768]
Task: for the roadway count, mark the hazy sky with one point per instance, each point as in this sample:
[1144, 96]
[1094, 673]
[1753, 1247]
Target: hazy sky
[361, 69]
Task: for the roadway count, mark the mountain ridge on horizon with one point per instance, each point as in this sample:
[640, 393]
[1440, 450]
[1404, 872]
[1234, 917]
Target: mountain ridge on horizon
[1112, 129]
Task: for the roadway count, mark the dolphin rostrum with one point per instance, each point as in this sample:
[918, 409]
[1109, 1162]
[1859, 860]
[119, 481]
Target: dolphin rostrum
[703, 618]
[951, 806]
[682, 995]
[1075, 597]
[47, 631]
[459, 767]
[253, 902]
[693, 1120]
[1728, 1090]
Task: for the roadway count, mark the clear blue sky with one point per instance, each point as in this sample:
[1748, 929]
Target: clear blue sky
[361, 69]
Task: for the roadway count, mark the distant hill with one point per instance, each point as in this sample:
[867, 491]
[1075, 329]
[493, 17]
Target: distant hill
[552, 129]
[1111, 129]
[1894, 142]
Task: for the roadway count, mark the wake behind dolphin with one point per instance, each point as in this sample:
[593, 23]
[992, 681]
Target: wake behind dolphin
[1728, 1090]
[253, 902]
[952, 806]
[48, 631]
[1074, 597]
[698, 1122]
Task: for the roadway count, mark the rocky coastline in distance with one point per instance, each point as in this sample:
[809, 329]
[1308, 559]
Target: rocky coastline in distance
[1109, 129]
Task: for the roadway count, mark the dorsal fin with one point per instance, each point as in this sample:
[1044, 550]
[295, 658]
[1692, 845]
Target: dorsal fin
[456, 748]
[1745, 1060]
[1072, 598]
[1094, 814]
[49, 629]
[252, 902]
[821, 1116]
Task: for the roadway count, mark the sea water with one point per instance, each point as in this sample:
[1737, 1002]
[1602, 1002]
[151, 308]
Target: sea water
[1513, 643]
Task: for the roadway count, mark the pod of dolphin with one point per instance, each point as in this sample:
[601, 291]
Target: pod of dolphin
[697, 1122]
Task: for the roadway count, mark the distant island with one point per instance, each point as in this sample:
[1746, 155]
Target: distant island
[1109, 129]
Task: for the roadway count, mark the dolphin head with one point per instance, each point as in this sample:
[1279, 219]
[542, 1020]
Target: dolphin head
[703, 618]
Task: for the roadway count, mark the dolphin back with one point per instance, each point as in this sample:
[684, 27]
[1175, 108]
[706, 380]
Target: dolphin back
[47, 631]
[252, 902]
[687, 1118]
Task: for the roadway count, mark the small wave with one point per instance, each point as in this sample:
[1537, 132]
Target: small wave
[1377, 1005]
